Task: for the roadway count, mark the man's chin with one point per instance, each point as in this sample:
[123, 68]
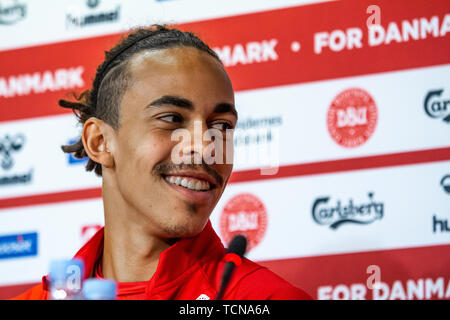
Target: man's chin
[183, 230]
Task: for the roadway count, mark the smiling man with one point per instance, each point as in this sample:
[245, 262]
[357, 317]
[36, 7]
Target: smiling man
[158, 242]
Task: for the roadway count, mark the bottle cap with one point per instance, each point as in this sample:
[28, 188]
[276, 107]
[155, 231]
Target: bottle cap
[99, 289]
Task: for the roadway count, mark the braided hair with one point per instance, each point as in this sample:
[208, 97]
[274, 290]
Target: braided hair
[112, 79]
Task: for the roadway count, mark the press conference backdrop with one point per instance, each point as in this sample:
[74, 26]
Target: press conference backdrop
[341, 179]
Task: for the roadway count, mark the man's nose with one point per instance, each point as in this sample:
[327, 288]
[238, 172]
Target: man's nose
[201, 144]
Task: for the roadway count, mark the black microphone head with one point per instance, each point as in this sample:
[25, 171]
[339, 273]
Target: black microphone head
[238, 245]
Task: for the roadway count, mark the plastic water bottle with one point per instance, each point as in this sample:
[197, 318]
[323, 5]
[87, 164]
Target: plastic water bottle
[99, 289]
[66, 277]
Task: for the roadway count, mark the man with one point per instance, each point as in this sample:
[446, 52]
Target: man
[158, 242]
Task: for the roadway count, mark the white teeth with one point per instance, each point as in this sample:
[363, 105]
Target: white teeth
[190, 183]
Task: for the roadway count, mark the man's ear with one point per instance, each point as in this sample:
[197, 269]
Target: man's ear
[94, 137]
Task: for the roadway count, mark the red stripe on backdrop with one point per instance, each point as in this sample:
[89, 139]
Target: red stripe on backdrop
[370, 162]
[55, 197]
[263, 50]
[411, 273]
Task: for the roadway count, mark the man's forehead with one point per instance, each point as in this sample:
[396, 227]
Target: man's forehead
[182, 72]
[175, 57]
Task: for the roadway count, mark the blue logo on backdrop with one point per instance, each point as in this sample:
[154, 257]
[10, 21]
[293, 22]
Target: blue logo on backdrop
[18, 245]
[71, 159]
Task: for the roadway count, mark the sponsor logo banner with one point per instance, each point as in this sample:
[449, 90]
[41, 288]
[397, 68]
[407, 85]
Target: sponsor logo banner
[18, 245]
[338, 214]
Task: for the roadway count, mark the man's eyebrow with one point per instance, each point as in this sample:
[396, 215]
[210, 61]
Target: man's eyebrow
[225, 108]
[172, 100]
[185, 103]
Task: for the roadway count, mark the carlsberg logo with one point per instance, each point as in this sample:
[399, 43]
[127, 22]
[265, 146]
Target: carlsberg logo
[334, 215]
[437, 106]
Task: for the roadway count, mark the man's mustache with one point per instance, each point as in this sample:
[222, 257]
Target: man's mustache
[170, 168]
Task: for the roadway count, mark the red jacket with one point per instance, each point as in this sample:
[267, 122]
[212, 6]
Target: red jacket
[190, 269]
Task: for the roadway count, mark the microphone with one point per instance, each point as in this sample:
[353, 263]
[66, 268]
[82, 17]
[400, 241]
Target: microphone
[233, 259]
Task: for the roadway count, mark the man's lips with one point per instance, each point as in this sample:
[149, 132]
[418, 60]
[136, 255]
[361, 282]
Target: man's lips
[202, 172]
[194, 189]
[192, 176]
[193, 182]
[189, 182]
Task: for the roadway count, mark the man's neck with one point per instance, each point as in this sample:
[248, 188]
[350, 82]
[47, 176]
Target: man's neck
[131, 251]
[130, 257]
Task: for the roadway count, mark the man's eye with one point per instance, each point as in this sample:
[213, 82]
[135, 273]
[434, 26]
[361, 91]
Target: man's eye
[222, 126]
[171, 118]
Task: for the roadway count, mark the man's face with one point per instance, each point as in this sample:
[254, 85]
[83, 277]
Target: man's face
[172, 89]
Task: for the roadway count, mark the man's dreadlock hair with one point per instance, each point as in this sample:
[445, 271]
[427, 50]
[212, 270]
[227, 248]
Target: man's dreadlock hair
[112, 79]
